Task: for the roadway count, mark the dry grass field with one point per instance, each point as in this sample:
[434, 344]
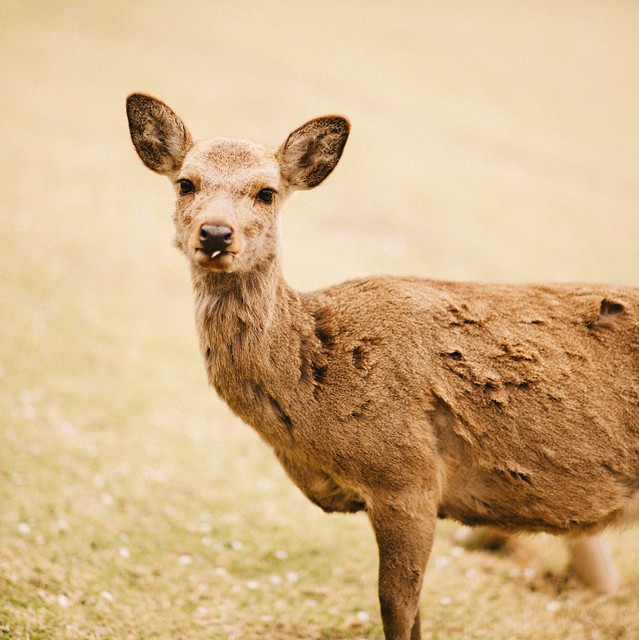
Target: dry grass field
[490, 141]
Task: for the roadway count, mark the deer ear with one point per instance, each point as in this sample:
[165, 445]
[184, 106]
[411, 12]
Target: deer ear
[158, 134]
[311, 152]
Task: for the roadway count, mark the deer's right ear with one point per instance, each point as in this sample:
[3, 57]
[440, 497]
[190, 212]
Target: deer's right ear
[158, 134]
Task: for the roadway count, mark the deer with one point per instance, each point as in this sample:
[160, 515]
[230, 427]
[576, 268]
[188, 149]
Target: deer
[510, 406]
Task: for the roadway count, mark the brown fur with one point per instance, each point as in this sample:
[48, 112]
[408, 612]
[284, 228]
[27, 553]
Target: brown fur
[513, 406]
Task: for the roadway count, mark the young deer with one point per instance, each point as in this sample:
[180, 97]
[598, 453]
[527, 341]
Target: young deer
[510, 406]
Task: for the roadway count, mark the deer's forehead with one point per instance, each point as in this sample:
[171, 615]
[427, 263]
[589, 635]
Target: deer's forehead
[227, 157]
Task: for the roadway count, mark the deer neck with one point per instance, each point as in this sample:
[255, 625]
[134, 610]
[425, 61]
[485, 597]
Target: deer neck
[250, 326]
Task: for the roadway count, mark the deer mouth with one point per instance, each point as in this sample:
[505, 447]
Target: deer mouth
[217, 260]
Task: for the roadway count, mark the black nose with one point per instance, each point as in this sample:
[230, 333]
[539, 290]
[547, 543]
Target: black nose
[215, 238]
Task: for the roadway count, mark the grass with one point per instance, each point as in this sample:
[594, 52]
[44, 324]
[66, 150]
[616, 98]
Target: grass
[489, 142]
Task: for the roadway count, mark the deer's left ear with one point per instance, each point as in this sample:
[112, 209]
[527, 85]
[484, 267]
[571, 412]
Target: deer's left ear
[311, 152]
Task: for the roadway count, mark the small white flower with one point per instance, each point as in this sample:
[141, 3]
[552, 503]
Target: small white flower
[106, 499]
[236, 545]
[252, 585]
[107, 595]
[24, 528]
[280, 554]
[442, 561]
[275, 579]
[363, 616]
[445, 600]
[553, 605]
[63, 600]
[207, 541]
[185, 559]
[292, 576]
[124, 552]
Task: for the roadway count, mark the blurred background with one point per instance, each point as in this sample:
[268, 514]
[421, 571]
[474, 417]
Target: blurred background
[490, 141]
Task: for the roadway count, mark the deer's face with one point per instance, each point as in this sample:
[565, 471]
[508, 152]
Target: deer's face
[229, 192]
[228, 195]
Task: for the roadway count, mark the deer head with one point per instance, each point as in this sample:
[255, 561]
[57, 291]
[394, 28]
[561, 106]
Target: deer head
[229, 192]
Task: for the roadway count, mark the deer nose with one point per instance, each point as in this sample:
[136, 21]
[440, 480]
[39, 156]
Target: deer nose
[215, 238]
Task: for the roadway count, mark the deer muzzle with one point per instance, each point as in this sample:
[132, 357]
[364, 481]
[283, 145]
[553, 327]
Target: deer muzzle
[215, 239]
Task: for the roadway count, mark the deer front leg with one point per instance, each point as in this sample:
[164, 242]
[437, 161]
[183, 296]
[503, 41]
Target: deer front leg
[404, 530]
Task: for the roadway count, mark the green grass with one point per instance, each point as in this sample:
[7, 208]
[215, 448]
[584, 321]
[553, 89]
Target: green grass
[488, 143]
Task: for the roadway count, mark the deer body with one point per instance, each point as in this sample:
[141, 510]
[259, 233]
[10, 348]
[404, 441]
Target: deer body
[483, 391]
[513, 406]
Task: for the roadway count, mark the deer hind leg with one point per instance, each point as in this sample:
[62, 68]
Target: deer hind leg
[590, 560]
[404, 532]
[480, 538]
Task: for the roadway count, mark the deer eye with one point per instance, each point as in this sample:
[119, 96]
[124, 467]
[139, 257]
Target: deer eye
[266, 195]
[185, 186]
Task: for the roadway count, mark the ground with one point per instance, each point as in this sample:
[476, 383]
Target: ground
[489, 142]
